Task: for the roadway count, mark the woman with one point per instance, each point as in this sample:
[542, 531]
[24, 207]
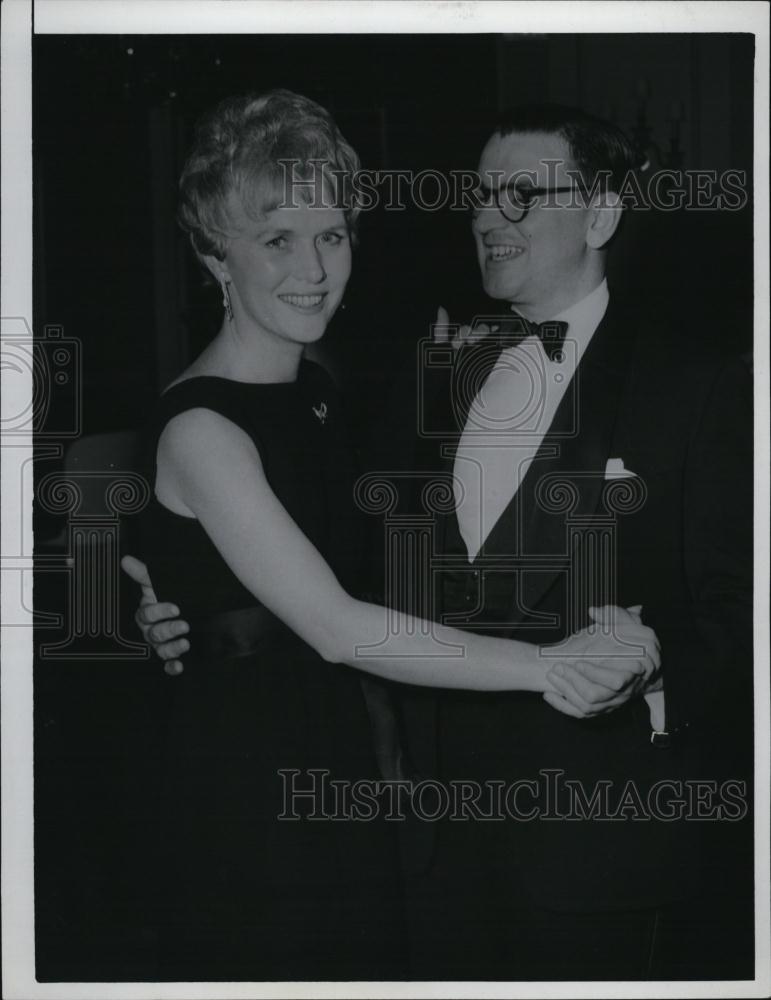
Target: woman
[253, 532]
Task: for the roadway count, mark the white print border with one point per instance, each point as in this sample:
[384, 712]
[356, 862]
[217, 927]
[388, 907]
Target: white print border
[320, 17]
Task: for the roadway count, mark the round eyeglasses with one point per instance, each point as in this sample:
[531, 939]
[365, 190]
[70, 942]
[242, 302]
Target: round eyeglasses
[512, 202]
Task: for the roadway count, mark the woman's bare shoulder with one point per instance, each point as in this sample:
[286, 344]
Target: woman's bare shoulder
[204, 432]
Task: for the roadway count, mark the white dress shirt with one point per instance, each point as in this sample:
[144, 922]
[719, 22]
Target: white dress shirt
[509, 417]
[506, 425]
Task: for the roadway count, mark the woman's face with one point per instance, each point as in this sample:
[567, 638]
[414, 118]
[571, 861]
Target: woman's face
[287, 271]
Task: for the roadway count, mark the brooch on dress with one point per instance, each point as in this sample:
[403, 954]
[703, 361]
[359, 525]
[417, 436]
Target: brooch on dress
[321, 412]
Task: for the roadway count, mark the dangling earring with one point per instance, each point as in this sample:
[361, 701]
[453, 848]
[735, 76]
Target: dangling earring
[227, 304]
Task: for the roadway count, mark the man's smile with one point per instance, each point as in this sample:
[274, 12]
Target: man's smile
[502, 251]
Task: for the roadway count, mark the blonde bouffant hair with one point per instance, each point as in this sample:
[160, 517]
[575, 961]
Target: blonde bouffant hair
[242, 149]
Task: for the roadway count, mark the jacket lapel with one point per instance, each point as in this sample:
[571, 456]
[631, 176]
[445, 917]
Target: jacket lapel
[574, 453]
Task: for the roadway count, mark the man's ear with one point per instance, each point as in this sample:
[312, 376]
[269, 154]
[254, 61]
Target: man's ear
[605, 218]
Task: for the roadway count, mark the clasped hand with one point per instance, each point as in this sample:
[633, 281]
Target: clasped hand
[592, 672]
[604, 665]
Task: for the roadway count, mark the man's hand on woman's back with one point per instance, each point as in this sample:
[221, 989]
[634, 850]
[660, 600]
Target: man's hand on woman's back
[159, 622]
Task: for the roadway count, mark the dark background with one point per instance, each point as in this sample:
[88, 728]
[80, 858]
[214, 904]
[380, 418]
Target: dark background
[112, 120]
[112, 117]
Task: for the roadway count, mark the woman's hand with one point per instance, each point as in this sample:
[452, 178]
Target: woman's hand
[159, 624]
[604, 665]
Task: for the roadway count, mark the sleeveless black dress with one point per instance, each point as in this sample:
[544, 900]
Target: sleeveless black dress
[258, 881]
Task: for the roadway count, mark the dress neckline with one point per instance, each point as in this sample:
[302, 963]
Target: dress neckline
[301, 371]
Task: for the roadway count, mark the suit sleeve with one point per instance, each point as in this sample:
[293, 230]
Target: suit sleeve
[710, 684]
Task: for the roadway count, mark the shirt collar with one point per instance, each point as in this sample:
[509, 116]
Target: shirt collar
[584, 316]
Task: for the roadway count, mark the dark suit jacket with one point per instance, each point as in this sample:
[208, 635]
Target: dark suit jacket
[676, 539]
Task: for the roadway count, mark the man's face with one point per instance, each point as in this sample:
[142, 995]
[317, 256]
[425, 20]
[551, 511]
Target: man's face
[542, 263]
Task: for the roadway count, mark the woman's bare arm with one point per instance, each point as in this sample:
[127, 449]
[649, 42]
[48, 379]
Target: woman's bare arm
[210, 469]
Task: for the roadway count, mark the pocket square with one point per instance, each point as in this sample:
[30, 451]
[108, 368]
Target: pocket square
[615, 469]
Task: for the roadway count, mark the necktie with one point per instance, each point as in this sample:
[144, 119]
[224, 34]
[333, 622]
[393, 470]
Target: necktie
[551, 333]
[477, 360]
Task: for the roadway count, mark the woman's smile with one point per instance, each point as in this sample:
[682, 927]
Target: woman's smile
[308, 303]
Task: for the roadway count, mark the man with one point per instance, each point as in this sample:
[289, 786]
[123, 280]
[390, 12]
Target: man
[539, 536]
[594, 465]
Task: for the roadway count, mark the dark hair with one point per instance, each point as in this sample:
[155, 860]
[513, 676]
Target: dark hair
[238, 149]
[597, 146]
